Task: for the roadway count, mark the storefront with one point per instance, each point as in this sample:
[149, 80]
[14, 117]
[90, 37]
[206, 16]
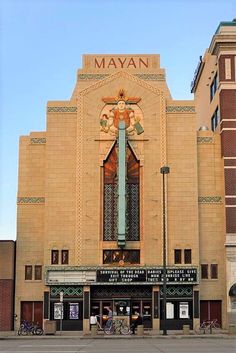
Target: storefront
[126, 291]
[69, 312]
[125, 302]
[182, 306]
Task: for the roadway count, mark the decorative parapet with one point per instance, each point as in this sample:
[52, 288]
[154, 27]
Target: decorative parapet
[61, 109]
[205, 140]
[38, 140]
[180, 109]
[210, 199]
[30, 200]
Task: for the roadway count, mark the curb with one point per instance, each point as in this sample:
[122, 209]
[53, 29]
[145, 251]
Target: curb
[206, 336]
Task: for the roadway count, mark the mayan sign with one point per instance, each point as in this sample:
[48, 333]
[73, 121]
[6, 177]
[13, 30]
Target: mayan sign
[124, 62]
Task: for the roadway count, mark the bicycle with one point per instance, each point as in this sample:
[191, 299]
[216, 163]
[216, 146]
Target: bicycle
[116, 326]
[207, 326]
[29, 328]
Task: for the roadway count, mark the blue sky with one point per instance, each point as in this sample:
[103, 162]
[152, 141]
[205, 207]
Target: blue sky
[41, 48]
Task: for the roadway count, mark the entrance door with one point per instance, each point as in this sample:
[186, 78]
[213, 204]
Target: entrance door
[32, 312]
[210, 310]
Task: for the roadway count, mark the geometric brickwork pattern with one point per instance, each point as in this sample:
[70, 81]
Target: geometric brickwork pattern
[79, 210]
[210, 199]
[132, 192]
[180, 109]
[151, 77]
[146, 77]
[110, 212]
[178, 291]
[126, 291]
[67, 291]
[205, 140]
[62, 109]
[38, 140]
[30, 200]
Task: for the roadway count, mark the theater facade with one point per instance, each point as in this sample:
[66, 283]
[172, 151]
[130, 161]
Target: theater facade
[94, 208]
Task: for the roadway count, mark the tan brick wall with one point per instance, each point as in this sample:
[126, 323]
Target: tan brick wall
[212, 217]
[182, 184]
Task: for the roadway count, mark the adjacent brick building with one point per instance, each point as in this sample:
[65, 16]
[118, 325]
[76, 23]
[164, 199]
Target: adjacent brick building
[7, 283]
[214, 87]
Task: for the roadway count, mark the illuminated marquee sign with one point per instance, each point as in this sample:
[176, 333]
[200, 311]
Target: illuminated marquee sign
[150, 275]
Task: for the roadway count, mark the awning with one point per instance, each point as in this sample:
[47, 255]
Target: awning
[232, 291]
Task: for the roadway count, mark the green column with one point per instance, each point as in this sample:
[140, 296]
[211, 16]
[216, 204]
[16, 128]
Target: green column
[121, 185]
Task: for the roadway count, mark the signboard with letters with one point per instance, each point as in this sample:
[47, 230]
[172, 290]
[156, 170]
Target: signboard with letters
[147, 275]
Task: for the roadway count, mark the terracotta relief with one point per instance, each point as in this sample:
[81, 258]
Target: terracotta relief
[121, 108]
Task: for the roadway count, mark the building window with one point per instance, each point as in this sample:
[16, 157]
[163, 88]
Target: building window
[54, 257]
[28, 272]
[125, 256]
[65, 257]
[177, 254]
[213, 87]
[187, 256]
[215, 120]
[37, 272]
[110, 220]
[214, 271]
[204, 271]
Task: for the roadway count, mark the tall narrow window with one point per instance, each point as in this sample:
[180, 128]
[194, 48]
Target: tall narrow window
[187, 256]
[214, 86]
[177, 254]
[37, 272]
[110, 196]
[54, 257]
[28, 272]
[204, 271]
[132, 192]
[214, 271]
[64, 257]
[215, 120]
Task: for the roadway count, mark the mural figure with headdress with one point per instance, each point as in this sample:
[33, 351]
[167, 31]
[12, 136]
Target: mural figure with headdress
[121, 111]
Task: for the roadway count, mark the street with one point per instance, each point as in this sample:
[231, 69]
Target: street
[134, 345]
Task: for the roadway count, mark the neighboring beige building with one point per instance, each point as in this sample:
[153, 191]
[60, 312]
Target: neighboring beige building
[69, 210]
[214, 87]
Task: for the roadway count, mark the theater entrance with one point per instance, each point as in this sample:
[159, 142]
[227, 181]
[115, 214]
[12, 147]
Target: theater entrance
[124, 302]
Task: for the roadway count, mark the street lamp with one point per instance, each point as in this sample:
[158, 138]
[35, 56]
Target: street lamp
[163, 171]
[61, 316]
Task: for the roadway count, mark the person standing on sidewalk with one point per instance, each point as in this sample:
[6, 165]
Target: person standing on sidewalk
[110, 317]
[136, 322]
[93, 320]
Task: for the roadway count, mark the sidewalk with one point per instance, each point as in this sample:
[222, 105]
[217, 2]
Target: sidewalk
[100, 335]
